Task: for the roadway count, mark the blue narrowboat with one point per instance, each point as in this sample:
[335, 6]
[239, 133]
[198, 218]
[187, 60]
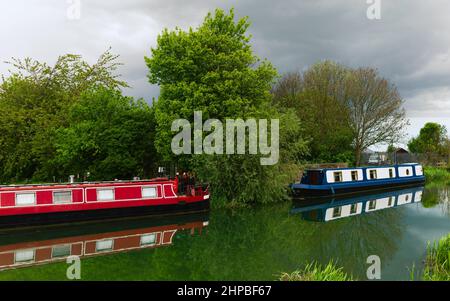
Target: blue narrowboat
[328, 182]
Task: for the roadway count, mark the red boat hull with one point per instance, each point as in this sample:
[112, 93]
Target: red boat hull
[27, 205]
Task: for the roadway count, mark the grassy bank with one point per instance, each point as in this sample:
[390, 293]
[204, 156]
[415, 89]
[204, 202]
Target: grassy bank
[437, 266]
[317, 272]
[437, 174]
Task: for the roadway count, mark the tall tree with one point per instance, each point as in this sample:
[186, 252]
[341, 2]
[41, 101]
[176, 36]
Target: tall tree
[343, 110]
[318, 99]
[375, 107]
[213, 69]
[210, 69]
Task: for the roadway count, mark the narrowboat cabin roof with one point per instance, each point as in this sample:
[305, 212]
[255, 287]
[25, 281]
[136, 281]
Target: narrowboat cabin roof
[360, 167]
[84, 183]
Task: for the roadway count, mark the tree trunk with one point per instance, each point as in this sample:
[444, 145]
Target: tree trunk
[357, 156]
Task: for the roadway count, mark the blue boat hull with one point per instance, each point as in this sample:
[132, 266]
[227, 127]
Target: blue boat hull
[327, 190]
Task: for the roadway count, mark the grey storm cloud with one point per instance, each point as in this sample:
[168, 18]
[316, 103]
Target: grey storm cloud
[409, 45]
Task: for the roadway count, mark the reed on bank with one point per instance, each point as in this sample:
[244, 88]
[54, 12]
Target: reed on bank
[316, 272]
[437, 264]
[437, 174]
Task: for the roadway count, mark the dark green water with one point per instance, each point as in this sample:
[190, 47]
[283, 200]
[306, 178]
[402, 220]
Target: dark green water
[248, 244]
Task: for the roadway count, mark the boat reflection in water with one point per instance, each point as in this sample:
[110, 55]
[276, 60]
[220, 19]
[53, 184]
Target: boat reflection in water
[337, 208]
[26, 247]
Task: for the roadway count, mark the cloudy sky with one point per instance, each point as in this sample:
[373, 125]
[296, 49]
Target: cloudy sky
[409, 44]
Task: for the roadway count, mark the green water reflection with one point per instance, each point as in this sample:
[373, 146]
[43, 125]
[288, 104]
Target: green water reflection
[255, 244]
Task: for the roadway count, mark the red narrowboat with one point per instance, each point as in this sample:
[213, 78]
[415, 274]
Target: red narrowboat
[53, 203]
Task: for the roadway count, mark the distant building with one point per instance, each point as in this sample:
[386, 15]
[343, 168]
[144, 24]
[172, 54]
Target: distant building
[400, 150]
[400, 155]
[368, 151]
[377, 158]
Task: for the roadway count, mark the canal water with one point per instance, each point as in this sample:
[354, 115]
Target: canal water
[247, 244]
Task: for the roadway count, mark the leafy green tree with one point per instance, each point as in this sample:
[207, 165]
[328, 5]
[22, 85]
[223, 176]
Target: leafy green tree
[242, 179]
[210, 69]
[344, 110]
[213, 69]
[431, 140]
[34, 102]
[317, 97]
[109, 135]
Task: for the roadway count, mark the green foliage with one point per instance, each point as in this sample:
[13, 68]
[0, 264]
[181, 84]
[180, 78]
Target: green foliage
[34, 101]
[431, 198]
[438, 261]
[243, 180]
[316, 272]
[316, 96]
[213, 69]
[436, 174]
[344, 109]
[432, 139]
[109, 135]
[209, 69]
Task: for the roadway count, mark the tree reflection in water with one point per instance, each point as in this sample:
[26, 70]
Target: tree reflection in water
[350, 241]
[263, 243]
[437, 195]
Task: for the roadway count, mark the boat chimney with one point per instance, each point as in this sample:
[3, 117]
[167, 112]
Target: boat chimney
[71, 179]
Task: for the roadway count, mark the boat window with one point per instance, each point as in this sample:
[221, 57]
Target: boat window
[104, 245]
[407, 172]
[148, 239]
[338, 176]
[314, 177]
[24, 256]
[391, 173]
[373, 174]
[336, 211]
[354, 175]
[61, 251]
[105, 194]
[25, 199]
[390, 201]
[62, 197]
[353, 208]
[149, 192]
[372, 205]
